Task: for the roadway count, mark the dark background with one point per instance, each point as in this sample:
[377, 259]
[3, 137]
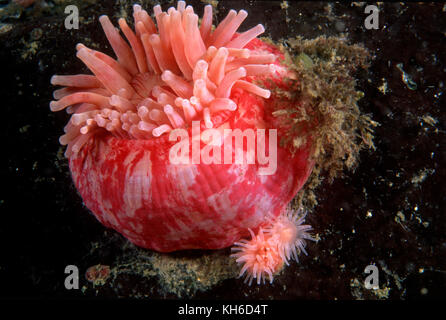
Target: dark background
[389, 212]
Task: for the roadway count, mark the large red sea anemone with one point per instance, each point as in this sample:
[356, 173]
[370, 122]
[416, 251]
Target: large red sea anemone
[169, 76]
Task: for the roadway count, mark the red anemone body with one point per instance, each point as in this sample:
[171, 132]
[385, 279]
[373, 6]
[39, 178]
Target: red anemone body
[124, 174]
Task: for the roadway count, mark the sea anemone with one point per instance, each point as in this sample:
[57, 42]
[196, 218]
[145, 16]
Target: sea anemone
[168, 76]
[161, 81]
[273, 246]
[259, 257]
[290, 234]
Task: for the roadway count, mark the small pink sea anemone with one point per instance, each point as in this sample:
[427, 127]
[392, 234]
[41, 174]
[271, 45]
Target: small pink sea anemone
[259, 255]
[267, 251]
[290, 234]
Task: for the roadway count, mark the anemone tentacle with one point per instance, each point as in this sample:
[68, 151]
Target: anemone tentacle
[165, 76]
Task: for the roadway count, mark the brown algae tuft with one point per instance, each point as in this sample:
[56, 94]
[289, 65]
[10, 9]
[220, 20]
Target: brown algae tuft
[326, 112]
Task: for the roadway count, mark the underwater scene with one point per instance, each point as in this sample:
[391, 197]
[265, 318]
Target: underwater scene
[223, 150]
